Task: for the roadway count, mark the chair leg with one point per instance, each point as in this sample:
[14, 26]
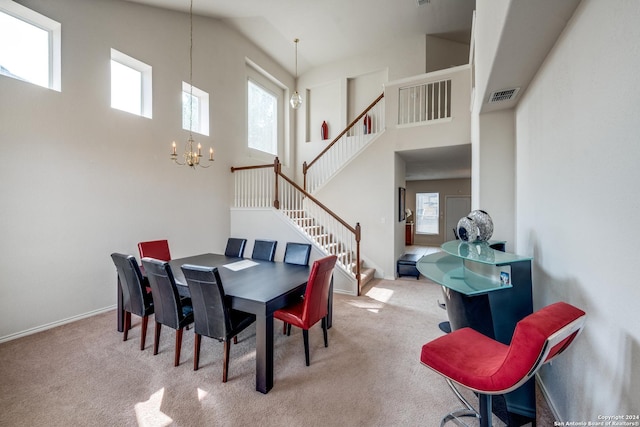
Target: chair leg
[196, 351]
[225, 361]
[485, 410]
[324, 331]
[288, 329]
[176, 360]
[305, 338]
[143, 337]
[127, 325]
[235, 339]
[156, 338]
[284, 328]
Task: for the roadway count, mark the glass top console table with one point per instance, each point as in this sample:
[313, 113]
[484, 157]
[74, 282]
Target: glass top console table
[471, 268]
[489, 290]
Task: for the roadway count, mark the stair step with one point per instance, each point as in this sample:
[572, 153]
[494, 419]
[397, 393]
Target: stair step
[366, 275]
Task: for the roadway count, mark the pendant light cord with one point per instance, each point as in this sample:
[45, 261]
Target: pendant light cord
[191, 71]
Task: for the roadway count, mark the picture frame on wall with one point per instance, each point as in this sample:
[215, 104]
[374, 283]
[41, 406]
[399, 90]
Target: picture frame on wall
[402, 199]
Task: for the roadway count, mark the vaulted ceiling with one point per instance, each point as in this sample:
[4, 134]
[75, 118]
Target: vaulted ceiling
[331, 30]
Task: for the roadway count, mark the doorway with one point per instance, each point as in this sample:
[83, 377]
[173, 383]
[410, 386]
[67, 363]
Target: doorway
[455, 208]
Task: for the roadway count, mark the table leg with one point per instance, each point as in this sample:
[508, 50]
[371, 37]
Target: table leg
[119, 310]
[264, 353]
[330, 308]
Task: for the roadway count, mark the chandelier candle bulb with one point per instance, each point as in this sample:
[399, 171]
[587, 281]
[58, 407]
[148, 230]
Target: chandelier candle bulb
[174, 153]
[211, 154]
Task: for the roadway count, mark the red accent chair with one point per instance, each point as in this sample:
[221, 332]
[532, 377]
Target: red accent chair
[314, 305]
[158, 249]
[488, 367]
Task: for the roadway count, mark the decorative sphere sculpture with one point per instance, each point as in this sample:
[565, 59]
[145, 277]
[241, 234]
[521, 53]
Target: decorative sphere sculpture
[484, 223]
[468, 230]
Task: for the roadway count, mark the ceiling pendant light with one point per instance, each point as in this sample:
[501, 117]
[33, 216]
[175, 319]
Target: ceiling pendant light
[191, 155]
[296, 99]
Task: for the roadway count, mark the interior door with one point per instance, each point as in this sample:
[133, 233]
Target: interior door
[455, 208]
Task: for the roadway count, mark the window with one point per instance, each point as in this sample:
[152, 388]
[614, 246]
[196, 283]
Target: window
[263, 119]
[427, 213]
[265, 114]
[195, 109]
[130, 84]
[29, 46]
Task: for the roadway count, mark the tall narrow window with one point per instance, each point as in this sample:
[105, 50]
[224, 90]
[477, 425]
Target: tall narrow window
[29, 46]
[263, 119]
[195, 109]
[265, 114]
[130, 84]
[427, 213]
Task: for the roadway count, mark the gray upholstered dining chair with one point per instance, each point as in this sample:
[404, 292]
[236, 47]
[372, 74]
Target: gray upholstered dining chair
[212, 315]
[264, 250]
[297, 253]
[235, 247]
[170, 309]
[136, 298]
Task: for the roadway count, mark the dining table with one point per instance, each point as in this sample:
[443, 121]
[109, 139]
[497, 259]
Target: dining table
[253, 286]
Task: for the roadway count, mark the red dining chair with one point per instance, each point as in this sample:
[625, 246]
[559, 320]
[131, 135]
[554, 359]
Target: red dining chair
[488, 367]
[314, 305]
[158, 249]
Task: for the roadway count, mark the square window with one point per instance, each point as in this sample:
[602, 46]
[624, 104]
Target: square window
[130, 84]
[29, 46]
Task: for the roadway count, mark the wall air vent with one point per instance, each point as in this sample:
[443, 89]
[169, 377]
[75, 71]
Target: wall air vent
[421, 2]
[503, 95]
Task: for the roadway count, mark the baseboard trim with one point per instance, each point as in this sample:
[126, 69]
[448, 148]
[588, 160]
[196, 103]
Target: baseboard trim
[51, 325]
[547, 398]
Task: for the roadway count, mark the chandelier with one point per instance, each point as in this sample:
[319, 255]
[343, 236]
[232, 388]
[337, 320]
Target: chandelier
[191, 156]
[296, 99]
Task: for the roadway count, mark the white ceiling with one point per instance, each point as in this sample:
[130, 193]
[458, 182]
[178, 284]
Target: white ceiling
[331, 30]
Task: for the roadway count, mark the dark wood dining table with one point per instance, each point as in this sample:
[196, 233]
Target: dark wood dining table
[260, 289]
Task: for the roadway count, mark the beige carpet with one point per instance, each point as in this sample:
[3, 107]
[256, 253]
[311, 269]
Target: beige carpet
[83, 374]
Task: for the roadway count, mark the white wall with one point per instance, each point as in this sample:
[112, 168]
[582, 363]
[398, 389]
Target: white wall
[577, 156]
[494, 172]
[80, 180]
[406, 58]
[443, 53]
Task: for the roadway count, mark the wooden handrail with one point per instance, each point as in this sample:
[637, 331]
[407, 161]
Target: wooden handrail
[317, 202]
[277, 167]
[306, 166]
[241, 168]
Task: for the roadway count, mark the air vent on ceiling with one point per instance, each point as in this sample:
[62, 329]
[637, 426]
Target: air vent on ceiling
[421, 2]
[503, 95]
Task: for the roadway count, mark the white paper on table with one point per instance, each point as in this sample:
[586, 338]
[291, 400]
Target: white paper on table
[240, 265]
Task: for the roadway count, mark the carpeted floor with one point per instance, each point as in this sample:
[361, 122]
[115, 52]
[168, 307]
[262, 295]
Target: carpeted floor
[83, 374]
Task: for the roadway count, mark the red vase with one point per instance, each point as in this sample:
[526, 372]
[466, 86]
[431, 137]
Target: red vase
[324, 130]
[367, 124]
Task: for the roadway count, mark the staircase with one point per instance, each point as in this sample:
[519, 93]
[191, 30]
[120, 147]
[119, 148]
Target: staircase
[330, 244]
[265, 186]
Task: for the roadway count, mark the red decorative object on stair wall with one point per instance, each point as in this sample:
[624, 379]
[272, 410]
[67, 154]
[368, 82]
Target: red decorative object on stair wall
[324, 130]
[367, 124]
